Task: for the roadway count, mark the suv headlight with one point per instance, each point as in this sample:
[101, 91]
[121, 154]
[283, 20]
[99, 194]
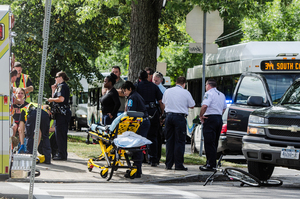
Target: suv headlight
[256, 119]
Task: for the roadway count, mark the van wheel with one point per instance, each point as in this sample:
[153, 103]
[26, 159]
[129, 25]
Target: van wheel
[193, 144]
[262, 171]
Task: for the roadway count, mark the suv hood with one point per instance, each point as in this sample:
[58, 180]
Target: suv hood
[279, 111]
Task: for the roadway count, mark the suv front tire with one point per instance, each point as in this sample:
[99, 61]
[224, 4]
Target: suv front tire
[262, 171]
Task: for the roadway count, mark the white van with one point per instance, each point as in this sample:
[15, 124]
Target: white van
[79, 107]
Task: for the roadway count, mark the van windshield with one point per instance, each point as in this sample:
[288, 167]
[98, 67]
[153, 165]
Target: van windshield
[279, 83]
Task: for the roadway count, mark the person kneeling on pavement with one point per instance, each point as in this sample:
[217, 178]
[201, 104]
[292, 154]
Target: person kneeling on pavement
[28, 117]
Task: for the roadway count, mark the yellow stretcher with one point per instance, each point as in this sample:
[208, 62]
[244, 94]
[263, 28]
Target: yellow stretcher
[115, 157]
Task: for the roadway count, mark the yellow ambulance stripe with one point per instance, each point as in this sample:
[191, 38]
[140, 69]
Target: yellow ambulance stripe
[5, 21]
[2, 53]
[4, 109]
[4, 163]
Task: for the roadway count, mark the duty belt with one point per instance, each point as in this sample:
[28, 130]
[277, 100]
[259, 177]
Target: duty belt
[183, 114]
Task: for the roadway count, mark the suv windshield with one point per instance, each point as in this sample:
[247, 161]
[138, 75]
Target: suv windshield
[279, 83]
[292, 96]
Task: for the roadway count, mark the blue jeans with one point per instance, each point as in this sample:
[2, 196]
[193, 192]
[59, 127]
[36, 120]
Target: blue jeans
[106, 120]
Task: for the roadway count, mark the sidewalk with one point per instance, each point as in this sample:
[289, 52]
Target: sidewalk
[75, 170]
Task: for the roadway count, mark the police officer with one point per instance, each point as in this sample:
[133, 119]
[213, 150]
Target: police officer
[158, 78]
[28, 116]
[23, 81]
[151, 94]
[177, 101]
[60, 97]
[213, 106]
[135, 102]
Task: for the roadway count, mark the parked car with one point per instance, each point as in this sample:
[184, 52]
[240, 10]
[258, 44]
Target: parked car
[273, 135]
[196, 135]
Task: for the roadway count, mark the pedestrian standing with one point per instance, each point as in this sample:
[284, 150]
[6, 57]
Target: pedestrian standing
[177, 102]
[151, 94]
[150, 72]
[110, 102]
[158, 79]
[119, 82]
[212, 109]
[23, 81]
[60, 97]
[135, 102]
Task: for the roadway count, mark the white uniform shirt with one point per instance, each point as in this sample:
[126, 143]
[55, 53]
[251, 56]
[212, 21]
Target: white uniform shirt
[215, 102]
[177, 100]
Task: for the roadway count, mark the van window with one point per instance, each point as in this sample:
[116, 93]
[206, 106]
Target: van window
[250, 86]
[83, 97]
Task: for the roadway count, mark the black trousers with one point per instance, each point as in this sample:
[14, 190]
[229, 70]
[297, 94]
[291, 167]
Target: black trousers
[153, 134]
[138, 156]
[175, 127]
[61, 133]
[44, 126]
[212, 127]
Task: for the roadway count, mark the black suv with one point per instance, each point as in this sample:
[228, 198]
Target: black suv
[273, 134]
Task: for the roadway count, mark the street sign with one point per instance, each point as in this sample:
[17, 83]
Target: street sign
[198, 48]
[194, 25]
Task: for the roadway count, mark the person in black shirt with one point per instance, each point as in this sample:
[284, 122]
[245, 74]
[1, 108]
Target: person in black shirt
[135, 102]
[110, 102]
[151, 94]
[60, 97]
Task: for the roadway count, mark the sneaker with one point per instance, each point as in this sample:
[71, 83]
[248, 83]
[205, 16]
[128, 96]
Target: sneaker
[22, 149]
[206, 168]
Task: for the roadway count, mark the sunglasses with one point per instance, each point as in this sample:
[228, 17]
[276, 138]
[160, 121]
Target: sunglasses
[57, 76]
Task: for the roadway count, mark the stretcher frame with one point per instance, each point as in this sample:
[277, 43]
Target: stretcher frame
[115, 157]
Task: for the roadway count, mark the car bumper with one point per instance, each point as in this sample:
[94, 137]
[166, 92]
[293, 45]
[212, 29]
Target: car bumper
[259, 149]
[230, 145]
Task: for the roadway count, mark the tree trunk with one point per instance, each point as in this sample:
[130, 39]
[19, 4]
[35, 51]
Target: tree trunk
[143, 35]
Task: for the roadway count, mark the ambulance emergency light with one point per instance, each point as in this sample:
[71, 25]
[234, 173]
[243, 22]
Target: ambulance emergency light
[1, 31]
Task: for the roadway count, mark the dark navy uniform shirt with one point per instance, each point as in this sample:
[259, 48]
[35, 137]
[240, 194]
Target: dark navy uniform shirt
[64, 91]
[135, 102]
[149, 91]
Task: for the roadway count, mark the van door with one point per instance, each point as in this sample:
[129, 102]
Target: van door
[239, 111]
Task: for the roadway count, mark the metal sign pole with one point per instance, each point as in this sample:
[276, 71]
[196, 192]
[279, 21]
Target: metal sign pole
[203, 76]
[40, 96]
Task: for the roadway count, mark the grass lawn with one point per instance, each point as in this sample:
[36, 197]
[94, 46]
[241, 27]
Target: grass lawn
[78, 146]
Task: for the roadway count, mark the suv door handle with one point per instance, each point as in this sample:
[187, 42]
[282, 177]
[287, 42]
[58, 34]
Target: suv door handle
[232, 113]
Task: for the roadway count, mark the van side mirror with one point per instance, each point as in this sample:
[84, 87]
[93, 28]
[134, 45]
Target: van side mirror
[197, 120]
[255, 101]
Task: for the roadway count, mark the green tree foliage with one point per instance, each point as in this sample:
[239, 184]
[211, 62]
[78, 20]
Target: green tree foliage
[276, 21]
[73, 46]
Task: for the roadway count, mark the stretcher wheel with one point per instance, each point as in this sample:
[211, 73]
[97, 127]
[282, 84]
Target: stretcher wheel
[127, 175]
[90, 169]
[133, 176]
[103, 173]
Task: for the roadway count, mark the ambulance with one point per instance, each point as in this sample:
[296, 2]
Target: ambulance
[6, 23]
